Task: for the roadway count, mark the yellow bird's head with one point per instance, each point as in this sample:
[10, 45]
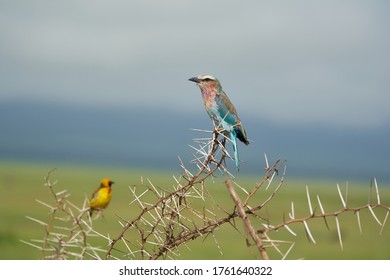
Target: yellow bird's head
[106, 182]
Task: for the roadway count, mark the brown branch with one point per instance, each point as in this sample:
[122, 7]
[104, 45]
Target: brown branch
[191, 182]
[247, 223]
[60, 205]
[322, 215]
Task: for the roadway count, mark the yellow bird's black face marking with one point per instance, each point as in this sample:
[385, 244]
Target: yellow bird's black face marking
[106, 182]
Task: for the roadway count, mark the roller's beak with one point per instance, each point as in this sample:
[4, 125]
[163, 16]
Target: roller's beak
[195, 80]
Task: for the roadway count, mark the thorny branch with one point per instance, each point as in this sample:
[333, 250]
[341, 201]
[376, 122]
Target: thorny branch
[168, 219]
[247, 223]
[64, 229]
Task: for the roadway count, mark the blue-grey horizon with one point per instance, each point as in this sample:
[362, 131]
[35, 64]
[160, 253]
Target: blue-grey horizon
[299, 62]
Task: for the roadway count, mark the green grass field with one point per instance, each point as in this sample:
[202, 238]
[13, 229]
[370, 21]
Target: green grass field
[22, 183]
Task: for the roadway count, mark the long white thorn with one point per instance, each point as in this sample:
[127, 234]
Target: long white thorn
[384, 222]
[308, 200]
[288, 251]
[377, 191]
[292, 214]
[320, 204]
[266, 160]
[201, 130]
[359, 223]
[200, 151]
[339, 232]
[45, 204]
[36, 220]
[290, 230]
[270, 180]
[31, 244]
[341, 196]
[308, 232]
[373, 214]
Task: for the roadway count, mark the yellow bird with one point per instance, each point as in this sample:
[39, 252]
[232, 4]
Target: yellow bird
[101, 197]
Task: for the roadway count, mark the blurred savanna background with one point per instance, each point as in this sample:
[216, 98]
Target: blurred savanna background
[100, 89]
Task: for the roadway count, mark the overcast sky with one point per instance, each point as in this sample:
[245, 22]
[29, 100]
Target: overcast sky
[292, 62]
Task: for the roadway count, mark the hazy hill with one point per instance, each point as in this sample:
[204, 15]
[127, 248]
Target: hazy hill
[150, 138]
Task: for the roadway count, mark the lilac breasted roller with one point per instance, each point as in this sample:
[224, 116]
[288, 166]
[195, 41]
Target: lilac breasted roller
[221, 110]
